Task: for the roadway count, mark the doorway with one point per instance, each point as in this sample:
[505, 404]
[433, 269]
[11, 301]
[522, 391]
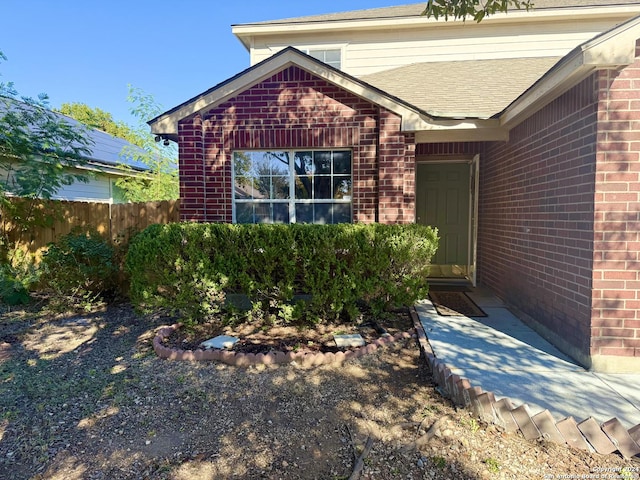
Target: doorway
[446, 198]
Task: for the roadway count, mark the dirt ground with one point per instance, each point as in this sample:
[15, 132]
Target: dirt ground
[85, 397]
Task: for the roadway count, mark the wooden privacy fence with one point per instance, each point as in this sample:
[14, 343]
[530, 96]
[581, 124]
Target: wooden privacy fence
[117, 222]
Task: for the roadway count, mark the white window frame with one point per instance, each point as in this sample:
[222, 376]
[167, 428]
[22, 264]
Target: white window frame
[323, 46]
[292, 200]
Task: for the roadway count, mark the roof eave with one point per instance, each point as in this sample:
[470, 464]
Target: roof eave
[612, 50]
[247, 30]
[116, 170]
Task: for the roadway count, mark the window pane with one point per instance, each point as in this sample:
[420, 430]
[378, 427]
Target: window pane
[342, 187]
[342, 213]
[322, 161]
[303, 163]
[322, 187]
[323, 213]
[281, 213]
[304, 213]
[263, 188]
[263, 213]
[332, 56]
[244, 212]
[242, 187]
[277, 163]
[242, 163]
[303, 187]
[280, 187]
[342, 162]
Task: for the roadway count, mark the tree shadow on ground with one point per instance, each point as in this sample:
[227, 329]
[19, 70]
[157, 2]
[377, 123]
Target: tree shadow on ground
[109, 408]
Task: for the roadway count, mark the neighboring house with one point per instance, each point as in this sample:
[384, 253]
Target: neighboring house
[518, 137]
[110, 159]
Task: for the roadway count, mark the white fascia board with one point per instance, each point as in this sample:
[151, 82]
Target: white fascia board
[613, 49]
[514, 16]
[168, 123]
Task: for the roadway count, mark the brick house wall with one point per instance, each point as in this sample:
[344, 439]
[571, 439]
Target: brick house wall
[536, 217]
[616, 272]
[559, 217]
[295, 109]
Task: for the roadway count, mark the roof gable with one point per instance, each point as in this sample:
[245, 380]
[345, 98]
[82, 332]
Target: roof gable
[167, 123]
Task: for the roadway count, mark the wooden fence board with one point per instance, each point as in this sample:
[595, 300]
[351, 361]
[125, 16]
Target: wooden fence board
[116, 222]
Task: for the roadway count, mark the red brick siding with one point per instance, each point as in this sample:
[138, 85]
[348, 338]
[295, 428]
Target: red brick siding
[191, 168]
[294, 109]
[616, 273]
[450, 149]
[396, 169]
[535, 234]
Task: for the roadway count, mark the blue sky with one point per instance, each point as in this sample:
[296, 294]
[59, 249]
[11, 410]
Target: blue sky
[89, 50]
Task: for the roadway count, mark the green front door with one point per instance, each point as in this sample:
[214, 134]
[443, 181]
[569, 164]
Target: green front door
[443, 201]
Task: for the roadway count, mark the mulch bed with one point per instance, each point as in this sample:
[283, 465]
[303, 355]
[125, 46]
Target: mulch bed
[263, 337]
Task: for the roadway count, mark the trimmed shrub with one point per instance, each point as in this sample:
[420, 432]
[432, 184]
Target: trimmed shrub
[79, 269]
[191, 268]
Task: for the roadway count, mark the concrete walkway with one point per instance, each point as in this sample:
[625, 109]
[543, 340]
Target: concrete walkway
[502, 355]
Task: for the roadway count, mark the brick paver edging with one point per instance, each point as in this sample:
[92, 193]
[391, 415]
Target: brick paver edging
[240, 359]
[587, 435]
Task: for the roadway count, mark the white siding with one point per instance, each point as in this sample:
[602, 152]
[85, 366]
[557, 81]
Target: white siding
[366, 52]
[98, 189]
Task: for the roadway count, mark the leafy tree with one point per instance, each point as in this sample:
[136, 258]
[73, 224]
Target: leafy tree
[40, 152]
[161, 182]
[476, 9]
[100, 120]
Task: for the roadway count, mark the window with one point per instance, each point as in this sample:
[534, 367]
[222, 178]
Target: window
[307, 186]
[331, 57]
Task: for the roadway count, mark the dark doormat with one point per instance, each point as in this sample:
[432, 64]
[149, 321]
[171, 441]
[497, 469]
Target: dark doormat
[449, 304]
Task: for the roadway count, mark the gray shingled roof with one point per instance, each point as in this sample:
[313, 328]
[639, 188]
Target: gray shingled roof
[431, 86]
[415, 9]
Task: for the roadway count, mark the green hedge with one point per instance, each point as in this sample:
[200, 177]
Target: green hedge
[192, 268]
